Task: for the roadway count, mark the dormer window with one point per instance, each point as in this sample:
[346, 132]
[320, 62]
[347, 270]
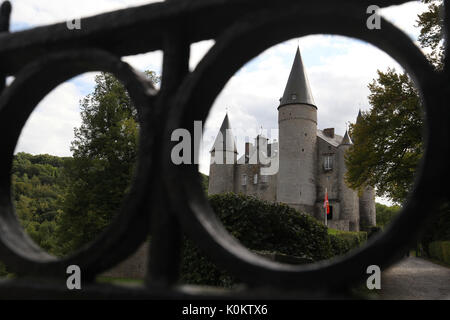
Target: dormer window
[294, 97]
[328, 163]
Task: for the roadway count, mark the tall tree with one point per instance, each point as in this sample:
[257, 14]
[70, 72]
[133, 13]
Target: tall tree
[387, 139]
[104, 153]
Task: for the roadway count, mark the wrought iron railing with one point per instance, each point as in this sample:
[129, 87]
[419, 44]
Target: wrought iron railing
[165, 199]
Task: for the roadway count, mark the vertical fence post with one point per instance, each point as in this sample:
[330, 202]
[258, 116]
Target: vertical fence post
[5, 14]
[166, 236]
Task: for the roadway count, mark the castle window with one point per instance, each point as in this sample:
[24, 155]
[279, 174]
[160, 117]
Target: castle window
[328, 163]
[244, 179]
[255, 179]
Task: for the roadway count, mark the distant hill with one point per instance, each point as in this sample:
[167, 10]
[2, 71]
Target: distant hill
[38, 185]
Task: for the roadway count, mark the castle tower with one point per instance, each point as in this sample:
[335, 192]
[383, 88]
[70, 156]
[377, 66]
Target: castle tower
[367, 209]
[223, 160]
[348, 197]
[297, 121]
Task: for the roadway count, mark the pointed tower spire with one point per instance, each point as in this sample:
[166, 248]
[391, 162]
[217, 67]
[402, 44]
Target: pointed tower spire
[346, 139]
[358, 118]
[297, 89]
[225, 139]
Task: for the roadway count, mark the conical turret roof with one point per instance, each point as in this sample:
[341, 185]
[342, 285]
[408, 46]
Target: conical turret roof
[359, 117]
[298, 90]
[225, 139]
[346, 140]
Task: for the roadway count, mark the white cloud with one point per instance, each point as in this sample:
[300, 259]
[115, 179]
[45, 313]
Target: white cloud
[50, 127]
[405, 16]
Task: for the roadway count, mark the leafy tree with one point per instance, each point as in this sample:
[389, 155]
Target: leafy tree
[387, 139]
[104, 153]
[431, 31]
[38, 189]
[385, 214]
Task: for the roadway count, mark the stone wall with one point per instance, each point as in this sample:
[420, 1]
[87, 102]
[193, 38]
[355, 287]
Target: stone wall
[343, 225]
[264, 189]
[298, 155]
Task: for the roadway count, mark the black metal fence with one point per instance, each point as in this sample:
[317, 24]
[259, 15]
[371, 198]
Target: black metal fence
[166, 200]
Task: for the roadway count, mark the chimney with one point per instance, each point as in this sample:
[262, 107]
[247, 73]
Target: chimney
[247, 151]
[329, 132]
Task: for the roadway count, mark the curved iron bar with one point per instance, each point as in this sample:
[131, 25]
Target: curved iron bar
[237, 26]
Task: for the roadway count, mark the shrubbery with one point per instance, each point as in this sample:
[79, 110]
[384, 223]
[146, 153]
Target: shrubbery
[344, 241]
[440, 250]
[265, 228]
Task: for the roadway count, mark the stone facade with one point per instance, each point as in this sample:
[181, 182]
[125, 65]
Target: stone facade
[311, 163]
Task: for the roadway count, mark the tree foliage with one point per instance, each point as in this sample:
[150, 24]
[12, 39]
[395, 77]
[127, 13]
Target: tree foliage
[385, 214]
[431, 31]
[38, 184]
[388, 138]
[104, 154]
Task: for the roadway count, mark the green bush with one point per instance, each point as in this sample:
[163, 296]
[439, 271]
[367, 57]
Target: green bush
[269, 229]
[344, 241]
[440, 250]
[438, 228]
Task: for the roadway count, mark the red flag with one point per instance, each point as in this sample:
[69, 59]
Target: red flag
[326, 204]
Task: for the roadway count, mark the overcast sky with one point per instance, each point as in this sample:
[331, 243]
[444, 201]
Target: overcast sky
[339, 70]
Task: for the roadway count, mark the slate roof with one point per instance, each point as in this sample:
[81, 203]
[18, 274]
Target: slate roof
[297, 88]
[226, 135]
[335, 142]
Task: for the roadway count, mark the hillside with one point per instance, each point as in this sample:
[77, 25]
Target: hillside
[38, 185]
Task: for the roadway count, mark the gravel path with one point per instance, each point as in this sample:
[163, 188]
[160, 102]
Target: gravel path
[417, 279]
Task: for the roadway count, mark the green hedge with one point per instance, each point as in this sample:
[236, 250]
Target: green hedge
[440, 250]
[266, 228]
[344, 241]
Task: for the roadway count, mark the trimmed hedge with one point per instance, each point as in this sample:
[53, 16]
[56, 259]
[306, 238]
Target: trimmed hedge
[266, 228]
[344, 241]
[440, 250]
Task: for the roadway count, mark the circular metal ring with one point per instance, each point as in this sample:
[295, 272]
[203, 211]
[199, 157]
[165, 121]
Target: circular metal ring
[130, 226]
[232, 50]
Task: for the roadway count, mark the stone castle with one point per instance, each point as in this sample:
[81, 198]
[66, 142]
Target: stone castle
[310, 161]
